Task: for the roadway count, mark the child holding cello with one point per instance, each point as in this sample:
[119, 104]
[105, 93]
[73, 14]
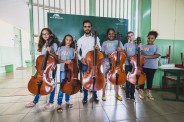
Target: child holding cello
[151, 53]
[108, 47]
[44, 38]
[130, 49]
[65, 54]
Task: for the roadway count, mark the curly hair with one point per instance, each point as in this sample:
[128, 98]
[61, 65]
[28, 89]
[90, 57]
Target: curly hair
[154, 33]
[108, 30]
[41, 41]
[63, 42]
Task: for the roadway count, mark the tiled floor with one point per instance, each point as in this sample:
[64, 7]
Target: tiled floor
[14, 95]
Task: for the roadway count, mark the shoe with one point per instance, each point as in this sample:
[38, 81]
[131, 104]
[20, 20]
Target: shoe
[104, 98]
[149, 95]
[122, 87]
[141, 94]
[127, 96]
[29, 105]
[95, 98]
[48, 106]
[137, 87]
[119, 98]
[59, 109]
[132, 97]
[85, 100]
[80, 90]
[69, 105]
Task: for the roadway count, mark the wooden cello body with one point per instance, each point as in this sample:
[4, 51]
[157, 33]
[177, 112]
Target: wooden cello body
[42, 82]
[93, 78]
[137, 76]
[117, 75]
[71, 84]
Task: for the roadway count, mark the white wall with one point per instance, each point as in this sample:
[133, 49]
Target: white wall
[167, 17]
[179, 28]
[6, 32]
[9, 53]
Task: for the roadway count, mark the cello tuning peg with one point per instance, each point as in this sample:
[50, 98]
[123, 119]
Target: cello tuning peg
[138, 40]
[115, 35]
[74, 39]
[118, 32]
[95, 33]
[118, 35]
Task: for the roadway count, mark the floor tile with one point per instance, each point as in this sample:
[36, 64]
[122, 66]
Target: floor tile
[96, 114]
[66, 116]
[12, 118]
[4, 107]
[118, 112]
[14, 95]
[178, 117]
[16, 108]
[154, 119]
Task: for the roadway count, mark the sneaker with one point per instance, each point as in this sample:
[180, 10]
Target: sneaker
[96, 98]
[132, 96]
[85, 100]
[29, 105]
[141, 93]
[48, 106]
[149, 94]
[69, 105]
[127, 96]
[122, 87]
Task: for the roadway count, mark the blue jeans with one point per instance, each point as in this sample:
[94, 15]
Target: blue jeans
[130, 88]
[60, 94]
[84, 69]
[52, 94]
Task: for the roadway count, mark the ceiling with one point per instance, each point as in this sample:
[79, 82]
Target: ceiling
[15, 12]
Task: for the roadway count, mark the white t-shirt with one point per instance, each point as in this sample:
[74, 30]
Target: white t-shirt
[86, 44]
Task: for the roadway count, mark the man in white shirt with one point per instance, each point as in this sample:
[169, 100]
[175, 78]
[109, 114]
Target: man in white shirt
[86, 44]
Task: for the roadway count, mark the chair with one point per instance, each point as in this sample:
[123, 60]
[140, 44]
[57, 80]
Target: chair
[174, 78]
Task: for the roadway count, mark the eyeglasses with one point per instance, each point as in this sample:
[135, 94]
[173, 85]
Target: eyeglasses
[87, 26]
[43, 34]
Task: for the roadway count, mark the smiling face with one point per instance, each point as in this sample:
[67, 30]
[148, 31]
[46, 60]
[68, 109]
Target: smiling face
[130, 37]
[151, 39]
[45, 34]
[87, 28]
[68, 41]
[111, 35]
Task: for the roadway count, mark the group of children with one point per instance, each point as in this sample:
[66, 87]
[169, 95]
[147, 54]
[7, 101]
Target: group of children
[150, 52]
[65, 52]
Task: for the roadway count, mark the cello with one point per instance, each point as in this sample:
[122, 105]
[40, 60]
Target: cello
[137, 76]
[116, 74]
[93, 78]
[42, 83]
[71, 84]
